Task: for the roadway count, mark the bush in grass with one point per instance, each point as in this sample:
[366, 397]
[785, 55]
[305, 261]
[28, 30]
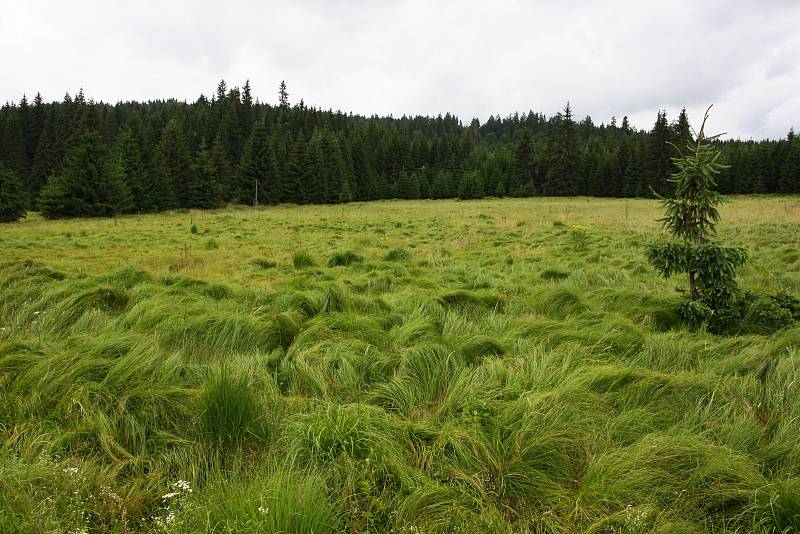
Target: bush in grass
[211, 245]
[193, 229]
[579, 236]
[767, 313]
[302, 259]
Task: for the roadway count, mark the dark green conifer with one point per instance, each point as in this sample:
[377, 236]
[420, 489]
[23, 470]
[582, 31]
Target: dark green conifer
[88, 185]
[12, 197]
[564, 157]
[471, 186]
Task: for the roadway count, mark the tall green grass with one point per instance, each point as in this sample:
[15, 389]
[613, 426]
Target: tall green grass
[459, 374]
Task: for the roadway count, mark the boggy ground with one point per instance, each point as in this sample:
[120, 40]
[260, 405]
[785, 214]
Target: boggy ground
[424, 367]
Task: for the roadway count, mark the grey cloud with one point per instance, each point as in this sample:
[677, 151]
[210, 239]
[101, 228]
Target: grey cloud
[468, 57]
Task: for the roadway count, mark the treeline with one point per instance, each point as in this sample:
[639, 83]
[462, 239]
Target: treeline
[77, 158]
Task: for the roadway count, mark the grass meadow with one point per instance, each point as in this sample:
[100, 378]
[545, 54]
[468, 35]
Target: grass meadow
[407, 367]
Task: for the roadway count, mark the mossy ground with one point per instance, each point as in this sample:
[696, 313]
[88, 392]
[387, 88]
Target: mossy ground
[429, 366]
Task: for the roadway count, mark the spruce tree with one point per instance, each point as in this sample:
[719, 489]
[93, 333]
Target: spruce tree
[175, 166]
[682, 133]
[203, 187]
[441, 185]
[298, 171]
[88, 185]
[471, 186]
[228, 187]
[564, 157]
[131, 169]
[283, 96]
[408, 185]
[44, 160]
[789, 182]
[524, 167]
[658, 158]
[257, 170]
[12, 197]
[691, 217]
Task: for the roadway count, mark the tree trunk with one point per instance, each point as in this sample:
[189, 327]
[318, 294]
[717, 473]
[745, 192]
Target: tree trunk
[693, 286]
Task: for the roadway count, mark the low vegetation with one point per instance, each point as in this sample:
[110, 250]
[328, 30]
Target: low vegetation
[487, 366]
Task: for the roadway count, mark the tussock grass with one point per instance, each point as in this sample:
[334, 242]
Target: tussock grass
[344, 258]
[262, 263]
[302, 259]
[398, 254]
[478, 376]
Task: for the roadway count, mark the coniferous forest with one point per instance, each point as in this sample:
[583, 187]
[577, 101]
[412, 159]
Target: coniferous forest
[79, 158]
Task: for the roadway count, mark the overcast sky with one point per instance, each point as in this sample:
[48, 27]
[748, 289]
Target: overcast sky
[413, 57]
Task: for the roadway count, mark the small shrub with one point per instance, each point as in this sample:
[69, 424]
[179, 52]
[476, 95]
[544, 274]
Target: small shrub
[476, 411]
[344, 258]
[398, 254]
[767, 313]
[694, 312]
[579, 236]
[790, 303]
[211, 245]
[193, 229]
[302, 259]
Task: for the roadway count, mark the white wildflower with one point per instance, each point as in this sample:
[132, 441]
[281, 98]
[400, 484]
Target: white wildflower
[170, 495]
[183, 485]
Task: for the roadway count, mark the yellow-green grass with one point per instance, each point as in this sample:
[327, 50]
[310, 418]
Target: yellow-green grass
[425, 366]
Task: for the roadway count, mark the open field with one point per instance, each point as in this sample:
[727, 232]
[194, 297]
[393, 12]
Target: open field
[421, 366]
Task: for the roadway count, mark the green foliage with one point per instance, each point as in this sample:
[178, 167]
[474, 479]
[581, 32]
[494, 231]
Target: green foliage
[768, 313]
[715, 267]
[691, 217]
[87, 186]
[470, 186]
[579, 236]
[12, 199]
[205, 153]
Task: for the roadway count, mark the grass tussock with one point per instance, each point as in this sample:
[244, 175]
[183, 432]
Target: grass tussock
[348, 257]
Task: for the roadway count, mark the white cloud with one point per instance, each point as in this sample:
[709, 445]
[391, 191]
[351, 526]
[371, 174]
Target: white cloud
[419, 57]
